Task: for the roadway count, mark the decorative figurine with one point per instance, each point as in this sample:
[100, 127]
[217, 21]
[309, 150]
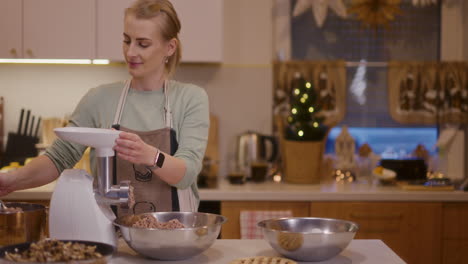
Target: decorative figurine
[344, 149]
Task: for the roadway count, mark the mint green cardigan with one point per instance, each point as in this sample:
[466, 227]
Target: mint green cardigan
[143, 111]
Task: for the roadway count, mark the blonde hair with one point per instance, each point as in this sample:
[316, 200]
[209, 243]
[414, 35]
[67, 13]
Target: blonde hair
[170, 24]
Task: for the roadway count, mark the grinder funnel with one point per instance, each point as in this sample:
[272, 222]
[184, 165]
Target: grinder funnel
[99, 138]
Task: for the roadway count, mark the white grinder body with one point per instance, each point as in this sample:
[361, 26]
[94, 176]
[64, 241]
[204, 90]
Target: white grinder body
[74, 213]
[78, 211]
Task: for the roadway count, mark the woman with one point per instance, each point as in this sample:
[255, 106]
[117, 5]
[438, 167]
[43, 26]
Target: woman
[165, 122]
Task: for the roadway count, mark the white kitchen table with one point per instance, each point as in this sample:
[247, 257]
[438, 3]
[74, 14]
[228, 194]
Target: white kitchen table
[223, 251]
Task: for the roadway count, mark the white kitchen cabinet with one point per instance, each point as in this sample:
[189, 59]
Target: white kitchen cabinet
[201, 35]
[11, 29]
[50, 29]
[88, 29]
[63, 29]
[202, 29]
[110, 15]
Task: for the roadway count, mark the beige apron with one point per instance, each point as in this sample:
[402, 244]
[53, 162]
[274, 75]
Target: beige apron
[151, 193]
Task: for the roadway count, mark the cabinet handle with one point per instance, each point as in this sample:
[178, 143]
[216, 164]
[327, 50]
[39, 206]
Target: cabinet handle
[394, 216]
[29, 52]
[13, 52]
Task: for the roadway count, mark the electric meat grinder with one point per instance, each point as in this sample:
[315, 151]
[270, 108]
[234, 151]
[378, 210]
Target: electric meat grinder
[77, 210]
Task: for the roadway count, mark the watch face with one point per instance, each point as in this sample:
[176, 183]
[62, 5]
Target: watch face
[160, 160]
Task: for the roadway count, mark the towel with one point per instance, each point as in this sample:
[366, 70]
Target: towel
[249, 220]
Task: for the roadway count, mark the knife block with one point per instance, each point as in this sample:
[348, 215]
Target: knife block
[19, 148]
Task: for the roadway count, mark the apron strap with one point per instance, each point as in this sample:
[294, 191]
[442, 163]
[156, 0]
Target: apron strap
[167, 107]
[120, 106]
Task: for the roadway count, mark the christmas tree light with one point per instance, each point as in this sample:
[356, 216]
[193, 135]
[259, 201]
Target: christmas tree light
[304, 120]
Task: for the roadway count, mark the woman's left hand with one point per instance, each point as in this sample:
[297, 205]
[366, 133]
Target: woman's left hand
[132, 148]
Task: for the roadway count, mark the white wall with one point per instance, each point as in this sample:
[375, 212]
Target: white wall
[240, 89]
[452, 31]
[49, 90]
[465, 58]
[465, 30]
[454, 42]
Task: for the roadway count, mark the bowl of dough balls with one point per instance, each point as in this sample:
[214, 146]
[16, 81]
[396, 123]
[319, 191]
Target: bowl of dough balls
[308, 238]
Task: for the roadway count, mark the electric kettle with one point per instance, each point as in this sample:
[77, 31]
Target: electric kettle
[253, 148]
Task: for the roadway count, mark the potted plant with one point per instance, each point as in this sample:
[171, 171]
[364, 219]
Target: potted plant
[304, 133]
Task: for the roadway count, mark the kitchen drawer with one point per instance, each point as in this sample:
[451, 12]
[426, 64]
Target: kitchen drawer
[412, 230]
[454, 251]
[232, 209]
[455, 219]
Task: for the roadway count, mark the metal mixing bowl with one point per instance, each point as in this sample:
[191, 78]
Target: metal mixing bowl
[201, 231]
[308, 238]
[29, 225]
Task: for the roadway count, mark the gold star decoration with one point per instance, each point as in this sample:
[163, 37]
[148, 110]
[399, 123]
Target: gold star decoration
[375, 13]
[320, 9]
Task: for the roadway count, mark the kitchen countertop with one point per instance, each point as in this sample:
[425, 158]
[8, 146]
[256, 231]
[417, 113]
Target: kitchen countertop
[271, 191]
[223, 251]
[40, 193]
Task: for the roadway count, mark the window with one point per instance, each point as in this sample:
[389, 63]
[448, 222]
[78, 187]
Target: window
[414, 35]
[388, 142]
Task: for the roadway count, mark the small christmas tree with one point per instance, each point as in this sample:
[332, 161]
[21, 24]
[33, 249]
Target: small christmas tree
[304, 120]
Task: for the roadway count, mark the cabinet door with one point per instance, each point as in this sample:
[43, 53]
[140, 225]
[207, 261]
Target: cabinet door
[455, 233]
[110, 18]
[10, 29]
[201, 33]
[200, 36]
[412, 230]
[232, 209]
[62, 29]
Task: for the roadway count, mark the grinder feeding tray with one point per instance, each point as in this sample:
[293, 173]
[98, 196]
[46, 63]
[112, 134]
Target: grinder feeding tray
[77, 210]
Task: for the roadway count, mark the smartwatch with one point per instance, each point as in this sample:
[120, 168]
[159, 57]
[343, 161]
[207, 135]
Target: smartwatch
[158, 161]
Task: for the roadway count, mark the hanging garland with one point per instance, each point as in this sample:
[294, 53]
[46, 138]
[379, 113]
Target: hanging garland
[423, 3]
[375, 13]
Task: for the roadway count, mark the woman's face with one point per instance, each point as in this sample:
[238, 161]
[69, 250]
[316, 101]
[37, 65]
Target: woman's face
[144, 48]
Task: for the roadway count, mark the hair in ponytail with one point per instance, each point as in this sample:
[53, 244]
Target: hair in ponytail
[169, 21]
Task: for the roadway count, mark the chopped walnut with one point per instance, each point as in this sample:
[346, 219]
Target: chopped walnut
[54, 251]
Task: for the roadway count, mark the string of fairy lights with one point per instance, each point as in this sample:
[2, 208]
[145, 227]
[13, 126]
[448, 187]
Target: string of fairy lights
[303, 119]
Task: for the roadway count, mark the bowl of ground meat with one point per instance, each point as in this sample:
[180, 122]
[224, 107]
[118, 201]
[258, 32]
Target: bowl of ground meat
[170, 235]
